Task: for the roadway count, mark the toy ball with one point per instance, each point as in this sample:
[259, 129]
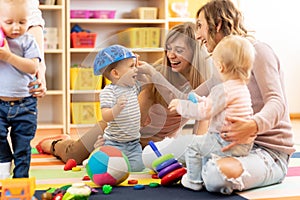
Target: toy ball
[107, 165]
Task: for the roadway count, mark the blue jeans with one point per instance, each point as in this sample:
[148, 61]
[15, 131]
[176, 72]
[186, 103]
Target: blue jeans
[21, 117]
[203, 147]
[133, 151]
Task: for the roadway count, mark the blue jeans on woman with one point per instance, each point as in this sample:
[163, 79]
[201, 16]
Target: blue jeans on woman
[21, 117]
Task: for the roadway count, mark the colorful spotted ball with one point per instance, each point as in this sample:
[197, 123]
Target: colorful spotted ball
[107, 165]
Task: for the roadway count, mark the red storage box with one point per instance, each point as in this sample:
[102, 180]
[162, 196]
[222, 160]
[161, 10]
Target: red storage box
[83, 40]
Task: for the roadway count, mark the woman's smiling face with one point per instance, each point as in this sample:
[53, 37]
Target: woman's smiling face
[179, 55]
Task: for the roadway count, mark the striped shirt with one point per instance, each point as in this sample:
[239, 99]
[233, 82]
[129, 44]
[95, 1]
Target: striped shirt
[126, 126]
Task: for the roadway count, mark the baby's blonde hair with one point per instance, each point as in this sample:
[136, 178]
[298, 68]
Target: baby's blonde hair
[22, 3]
[236, 54]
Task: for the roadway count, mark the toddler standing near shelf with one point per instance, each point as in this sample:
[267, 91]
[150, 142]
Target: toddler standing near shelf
[19, 60]
[119, 102]
[233, 58]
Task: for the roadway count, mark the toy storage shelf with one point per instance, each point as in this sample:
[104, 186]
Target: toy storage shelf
[107, 33]
[51, 108]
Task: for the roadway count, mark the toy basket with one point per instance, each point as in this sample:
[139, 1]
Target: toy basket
[145, 13]
[85, 112]
[80, 14]
[102, 14]
[83, 40]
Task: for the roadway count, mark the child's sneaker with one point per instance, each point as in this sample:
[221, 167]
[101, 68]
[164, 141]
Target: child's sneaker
[188, 184]
[5, 170]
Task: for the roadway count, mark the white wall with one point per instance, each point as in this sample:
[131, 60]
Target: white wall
[277, 22]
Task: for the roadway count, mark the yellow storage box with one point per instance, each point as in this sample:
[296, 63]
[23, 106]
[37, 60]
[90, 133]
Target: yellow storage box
[146, 37]
[85, 112]
[145, 13]
[84, 79]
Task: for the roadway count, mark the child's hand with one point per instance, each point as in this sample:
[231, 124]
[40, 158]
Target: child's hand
[173, 105]
[100, 142]
[121, 102]
[5, 52]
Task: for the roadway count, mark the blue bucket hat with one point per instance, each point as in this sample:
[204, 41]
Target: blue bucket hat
[109, 55]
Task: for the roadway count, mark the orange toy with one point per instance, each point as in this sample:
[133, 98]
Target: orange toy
[18, 188]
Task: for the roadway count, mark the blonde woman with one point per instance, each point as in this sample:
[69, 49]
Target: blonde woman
[184, 64]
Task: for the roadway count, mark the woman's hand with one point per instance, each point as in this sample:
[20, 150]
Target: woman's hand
[238, 131]
[40, 82]
[173, 105]
[145, 68]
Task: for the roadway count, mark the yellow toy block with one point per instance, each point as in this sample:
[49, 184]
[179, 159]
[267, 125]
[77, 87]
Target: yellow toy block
[18, 188]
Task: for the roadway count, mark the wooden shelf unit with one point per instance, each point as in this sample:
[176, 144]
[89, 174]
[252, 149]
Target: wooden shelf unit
[52, 107]
[55, 107]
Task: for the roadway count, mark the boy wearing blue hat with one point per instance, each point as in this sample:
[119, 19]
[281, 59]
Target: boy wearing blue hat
[119, 102]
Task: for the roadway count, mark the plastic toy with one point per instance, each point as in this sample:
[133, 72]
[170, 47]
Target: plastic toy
[2, 36]
[153, 185]
[139, 187]
[78, 191]
[132, 181]
[108, 165]
[46, 196]
[76, 169]
[106, 189]
[168, 168]
[18, 188]
[86, 178]
[192, 97]
[70, 164]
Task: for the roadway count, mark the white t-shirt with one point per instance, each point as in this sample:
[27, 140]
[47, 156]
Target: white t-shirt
[35, 18]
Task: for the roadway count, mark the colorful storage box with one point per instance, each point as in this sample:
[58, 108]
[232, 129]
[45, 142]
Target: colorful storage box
[84, 79]
[83, 40]
[85, 112]
[147, 37]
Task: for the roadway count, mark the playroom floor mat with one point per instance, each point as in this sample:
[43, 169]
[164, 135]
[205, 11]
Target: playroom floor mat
[49, 173]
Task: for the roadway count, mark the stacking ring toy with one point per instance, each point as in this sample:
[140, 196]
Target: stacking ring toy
[165, 164]
[161, 159]
[173, 176]
[168, 168]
